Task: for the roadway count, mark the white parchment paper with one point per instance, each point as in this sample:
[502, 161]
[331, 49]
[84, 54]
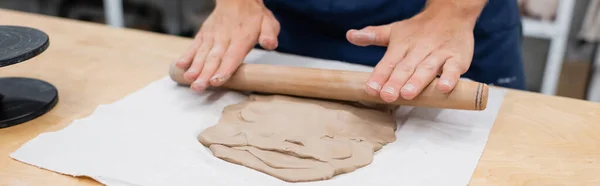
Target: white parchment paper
[150, 138]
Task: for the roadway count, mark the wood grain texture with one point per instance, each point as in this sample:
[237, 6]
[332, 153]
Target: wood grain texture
[341, 85]
[536, 140]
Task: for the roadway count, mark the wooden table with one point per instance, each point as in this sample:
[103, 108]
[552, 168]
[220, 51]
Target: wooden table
[536, 140]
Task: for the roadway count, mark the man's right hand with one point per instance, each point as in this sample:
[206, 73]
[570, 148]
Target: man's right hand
[224, 40]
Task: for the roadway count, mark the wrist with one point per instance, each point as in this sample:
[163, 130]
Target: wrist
[461, 12]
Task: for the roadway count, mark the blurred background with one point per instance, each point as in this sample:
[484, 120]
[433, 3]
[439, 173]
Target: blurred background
[560, 47]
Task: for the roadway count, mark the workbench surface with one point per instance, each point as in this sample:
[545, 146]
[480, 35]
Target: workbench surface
[536, 139]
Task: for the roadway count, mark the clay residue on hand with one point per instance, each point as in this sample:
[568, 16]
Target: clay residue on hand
[298, 139]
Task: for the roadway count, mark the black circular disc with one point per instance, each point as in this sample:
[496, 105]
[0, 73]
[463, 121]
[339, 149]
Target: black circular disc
[24, 99]
[18, 44]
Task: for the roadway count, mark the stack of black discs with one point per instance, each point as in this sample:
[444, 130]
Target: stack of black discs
[23, 99]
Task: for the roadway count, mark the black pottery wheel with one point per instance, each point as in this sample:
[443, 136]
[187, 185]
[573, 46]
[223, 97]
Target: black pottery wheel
[18, 44]
[23, 99]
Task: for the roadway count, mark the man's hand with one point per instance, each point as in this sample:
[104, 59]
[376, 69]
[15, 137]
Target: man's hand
[224, 40]
[437, 41]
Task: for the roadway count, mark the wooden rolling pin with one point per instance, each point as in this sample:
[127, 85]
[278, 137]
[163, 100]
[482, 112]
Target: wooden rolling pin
[341, 85]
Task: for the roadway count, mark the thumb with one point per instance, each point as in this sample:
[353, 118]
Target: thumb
[371, 35]
[269, 31]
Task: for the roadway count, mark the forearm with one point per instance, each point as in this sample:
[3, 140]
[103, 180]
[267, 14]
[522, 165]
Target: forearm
[466, 11]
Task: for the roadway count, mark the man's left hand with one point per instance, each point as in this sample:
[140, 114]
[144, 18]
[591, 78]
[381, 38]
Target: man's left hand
[418, 49]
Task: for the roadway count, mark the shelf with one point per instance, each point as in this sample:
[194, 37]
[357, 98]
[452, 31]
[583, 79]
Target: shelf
[539, 29]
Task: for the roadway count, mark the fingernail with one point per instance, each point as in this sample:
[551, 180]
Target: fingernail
[374, 85]
[389, 90]
[408, 87]
[187, 75]
[218, 78]
[199, 84]
[263, 39]
[445, 82]
[180, 63]
[362, 34]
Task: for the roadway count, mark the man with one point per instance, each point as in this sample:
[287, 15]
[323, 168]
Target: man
[409, 42]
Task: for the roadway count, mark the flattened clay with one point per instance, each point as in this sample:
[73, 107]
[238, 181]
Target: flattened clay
[298, 139]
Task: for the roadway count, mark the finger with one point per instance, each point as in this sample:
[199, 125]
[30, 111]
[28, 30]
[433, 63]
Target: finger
[213, 61]
[382, 71]
[268, 33]
[424, 74]
[192, 73]
[371, 35]
[233, 58]
[450, 75]
[185, 61]
[402, 72]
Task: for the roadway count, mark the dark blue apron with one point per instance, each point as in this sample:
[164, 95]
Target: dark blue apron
[317, 28]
